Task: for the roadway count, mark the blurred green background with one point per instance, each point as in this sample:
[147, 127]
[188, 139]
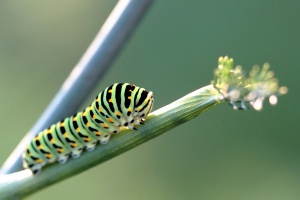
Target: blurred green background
[223, 154]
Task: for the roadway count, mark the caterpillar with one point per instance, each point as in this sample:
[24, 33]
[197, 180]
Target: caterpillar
[119, 105]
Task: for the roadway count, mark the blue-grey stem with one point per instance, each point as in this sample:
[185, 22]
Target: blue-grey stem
[87, 73]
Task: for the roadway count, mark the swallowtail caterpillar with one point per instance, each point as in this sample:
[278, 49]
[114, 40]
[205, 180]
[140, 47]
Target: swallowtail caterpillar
[121, 104]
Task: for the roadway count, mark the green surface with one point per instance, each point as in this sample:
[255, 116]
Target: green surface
[223, 154]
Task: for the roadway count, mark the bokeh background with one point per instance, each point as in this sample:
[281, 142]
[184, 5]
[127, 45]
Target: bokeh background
[223, 154]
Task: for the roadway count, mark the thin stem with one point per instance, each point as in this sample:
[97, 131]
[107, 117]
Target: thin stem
[87, 73]
[157, 123]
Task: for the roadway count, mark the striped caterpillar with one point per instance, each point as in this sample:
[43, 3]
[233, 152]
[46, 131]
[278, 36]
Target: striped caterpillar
[120, 104]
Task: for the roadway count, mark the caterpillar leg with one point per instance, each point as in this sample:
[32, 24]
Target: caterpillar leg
[36, 169]
[131, 127]
[90, 147]
[63, 158]
[51, 160]
[137, 121]
[104, 139]
[76, 153]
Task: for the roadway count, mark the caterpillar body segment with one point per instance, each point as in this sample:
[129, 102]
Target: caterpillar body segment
[120, 104]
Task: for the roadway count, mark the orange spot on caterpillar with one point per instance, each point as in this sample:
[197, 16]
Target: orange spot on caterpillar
[110, 100]
[73, 145]
[98, 133]
[109, 91]
[94, 116]
[78, 129]
[60, 150]
[39, 160]
[62, 124]
[129, 97]
[87, 124]
[48, 131]
[40, 147]
[48, 155]
[110, 119]
[84, 114]
[74, 118]
[86, 139]
[52, 141]
[65, 134]
[104, 125]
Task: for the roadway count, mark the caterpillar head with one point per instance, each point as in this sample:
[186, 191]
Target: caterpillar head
[143, 106]
[141, 111]
[146, 106]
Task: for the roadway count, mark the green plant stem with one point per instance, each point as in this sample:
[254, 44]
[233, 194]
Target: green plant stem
[21, 184]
